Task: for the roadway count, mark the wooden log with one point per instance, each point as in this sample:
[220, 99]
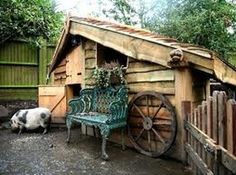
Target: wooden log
[90, 53]
[143, 66]
[155, 76]
[90, 63]
[161, 87]
[61, 69]
[89, 45]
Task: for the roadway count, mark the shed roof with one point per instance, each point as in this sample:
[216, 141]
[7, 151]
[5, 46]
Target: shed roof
[143, 45]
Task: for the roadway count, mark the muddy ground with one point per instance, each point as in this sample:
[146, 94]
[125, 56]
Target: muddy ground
[34, 153]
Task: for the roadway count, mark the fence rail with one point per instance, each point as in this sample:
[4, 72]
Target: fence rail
[210, 135]
[22, 68]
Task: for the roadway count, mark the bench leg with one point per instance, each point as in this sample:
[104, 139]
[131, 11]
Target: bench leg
[68, 135]
[104, 154]
[68, 124]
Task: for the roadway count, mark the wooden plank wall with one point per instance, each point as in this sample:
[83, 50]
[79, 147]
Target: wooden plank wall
[146, 76]
[210, 137]
[54, 98]
[60, 73]
[22, 68]
[74, 66]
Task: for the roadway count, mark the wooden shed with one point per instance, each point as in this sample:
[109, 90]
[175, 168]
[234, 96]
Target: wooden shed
[157, 68]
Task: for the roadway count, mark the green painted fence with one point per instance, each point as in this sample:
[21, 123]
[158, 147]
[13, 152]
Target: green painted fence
[22, 68]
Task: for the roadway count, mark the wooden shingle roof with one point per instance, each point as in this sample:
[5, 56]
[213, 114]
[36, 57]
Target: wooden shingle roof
[143, 45]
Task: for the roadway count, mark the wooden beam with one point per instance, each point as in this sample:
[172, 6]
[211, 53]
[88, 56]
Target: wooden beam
[161, 87]
[135, 47]
[198, 161]
[228, 160]
[224, 72]
[158, 75]
[201, 137]
[18, 63]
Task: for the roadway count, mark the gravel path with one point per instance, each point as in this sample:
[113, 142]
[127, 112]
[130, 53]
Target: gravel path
[34, 153]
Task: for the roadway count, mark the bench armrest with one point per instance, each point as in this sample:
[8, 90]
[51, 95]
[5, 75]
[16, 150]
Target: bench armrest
[82, 103]
[76, 105]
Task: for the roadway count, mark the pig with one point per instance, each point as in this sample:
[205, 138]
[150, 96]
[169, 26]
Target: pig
[30, 119]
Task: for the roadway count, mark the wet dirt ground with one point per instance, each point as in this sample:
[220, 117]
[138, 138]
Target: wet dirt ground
[34, 153]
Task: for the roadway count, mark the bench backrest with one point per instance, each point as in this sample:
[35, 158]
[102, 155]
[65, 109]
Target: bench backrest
[99, 99]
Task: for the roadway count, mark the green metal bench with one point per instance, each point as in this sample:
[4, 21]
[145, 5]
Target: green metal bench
[105, 108]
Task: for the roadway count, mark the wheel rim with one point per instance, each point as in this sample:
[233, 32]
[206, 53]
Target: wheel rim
[151, 123]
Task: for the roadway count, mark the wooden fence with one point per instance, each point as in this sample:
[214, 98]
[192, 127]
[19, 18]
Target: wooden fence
[210, 135]
[22, 68]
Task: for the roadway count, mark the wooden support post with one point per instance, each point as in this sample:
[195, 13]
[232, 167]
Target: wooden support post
[183, 92]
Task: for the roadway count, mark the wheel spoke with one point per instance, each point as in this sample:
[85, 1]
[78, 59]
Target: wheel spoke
[147, 105]
[139, 110]
[159, 108]
[168, 123]
[151, 112]
[158, 135]
[139, 135]
[149, 140]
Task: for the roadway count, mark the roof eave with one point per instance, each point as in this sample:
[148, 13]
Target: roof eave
[59, 48]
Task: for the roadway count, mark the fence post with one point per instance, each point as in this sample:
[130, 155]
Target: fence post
[186, 113]
[234, 127]
[231, 126]
[42, 63]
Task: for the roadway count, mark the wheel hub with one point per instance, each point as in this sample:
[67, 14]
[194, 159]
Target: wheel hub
[147, 123]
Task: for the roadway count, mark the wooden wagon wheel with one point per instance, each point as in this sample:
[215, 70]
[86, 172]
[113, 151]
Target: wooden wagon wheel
[151, 123]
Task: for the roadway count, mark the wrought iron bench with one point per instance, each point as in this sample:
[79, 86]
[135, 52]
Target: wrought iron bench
[105, 108]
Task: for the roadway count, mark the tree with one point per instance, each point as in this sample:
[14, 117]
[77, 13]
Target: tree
[29, 20]
[209, 23]
[131, 12]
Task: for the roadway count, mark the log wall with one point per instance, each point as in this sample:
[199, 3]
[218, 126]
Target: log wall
[60, 73]
[146, 76]
[90, 54]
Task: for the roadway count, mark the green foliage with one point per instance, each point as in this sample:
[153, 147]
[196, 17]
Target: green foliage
[132, 12]
[31, 20]
[121, 11]
[208, 23]
[203, 22]
[110, 74]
